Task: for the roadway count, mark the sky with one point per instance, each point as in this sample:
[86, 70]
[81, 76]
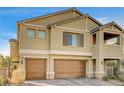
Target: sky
[9, 17]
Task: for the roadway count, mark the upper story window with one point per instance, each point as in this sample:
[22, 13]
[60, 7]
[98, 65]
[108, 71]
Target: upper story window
[111, 39]
[31, 33]
[94, 39]
[41, 34]
[70, 39]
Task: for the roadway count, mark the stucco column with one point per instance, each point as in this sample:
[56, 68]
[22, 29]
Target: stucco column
[89, 68]
[22, 68]
[100, 72]
[50, 68]
[47, 68]
[120, 66]
[52, 73]
[19, 74]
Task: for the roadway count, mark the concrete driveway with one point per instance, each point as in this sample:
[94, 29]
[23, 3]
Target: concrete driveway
[72, 82]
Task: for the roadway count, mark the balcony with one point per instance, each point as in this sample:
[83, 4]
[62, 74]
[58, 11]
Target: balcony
[112, 51]
[109, 51]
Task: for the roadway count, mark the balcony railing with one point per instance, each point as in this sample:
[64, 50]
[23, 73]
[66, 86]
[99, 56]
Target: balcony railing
[112, 51]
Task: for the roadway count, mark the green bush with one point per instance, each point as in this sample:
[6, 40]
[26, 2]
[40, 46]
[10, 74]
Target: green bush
[105, 78]
[113, 77]
[2, 81]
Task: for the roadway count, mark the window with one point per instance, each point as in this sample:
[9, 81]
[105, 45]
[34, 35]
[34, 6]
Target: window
[41, 34]
[111, 39]
[72, 39]
[94, 39]
[31, 33]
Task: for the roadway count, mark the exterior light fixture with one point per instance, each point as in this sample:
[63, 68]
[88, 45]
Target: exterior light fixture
[21, 61]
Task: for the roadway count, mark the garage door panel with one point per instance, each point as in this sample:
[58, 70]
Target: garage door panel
[35, 68]
[69, 68]
[68, 75]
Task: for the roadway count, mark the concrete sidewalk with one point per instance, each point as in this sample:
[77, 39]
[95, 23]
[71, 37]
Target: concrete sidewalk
[73, 82]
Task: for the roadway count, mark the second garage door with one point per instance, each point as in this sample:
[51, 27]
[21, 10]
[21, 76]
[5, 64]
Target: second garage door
[35, 68]
[69, 69]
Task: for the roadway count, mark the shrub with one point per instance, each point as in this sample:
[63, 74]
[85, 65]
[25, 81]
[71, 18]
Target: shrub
[113, 77]
[2, 81]
[105, 78]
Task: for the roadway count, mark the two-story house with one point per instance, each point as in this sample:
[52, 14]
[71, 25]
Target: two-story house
[66, 44]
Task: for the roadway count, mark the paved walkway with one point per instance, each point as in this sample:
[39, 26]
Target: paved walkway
[73, 82]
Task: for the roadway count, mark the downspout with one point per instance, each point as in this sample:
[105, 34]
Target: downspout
[49, 30]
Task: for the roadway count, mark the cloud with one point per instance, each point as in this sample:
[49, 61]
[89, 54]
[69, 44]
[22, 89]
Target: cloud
[8, 34]
[103, 20]
[4, 47]
[4, 42]
[5, 52]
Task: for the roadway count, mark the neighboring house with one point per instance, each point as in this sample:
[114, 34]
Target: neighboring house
[66, 44]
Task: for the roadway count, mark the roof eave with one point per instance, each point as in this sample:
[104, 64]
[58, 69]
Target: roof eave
[100, 24]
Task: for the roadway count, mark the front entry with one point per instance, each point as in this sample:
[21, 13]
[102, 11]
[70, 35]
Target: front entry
[110, 67]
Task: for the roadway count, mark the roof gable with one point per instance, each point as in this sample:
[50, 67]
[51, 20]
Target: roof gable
[59, 13]
[77, 23]
[114, 25]
[77, 18]
[110, 26]
[52, 14]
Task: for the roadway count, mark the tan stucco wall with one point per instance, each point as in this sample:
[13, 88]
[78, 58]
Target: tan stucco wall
[33, 43]
[108, 51]
[57, 41]
[113, 51]
[56, 36]
[77, 24]
[80, 25]
[91, 25]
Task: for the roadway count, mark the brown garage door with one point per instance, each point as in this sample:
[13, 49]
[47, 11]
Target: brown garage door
[69, 69]
[35, 68]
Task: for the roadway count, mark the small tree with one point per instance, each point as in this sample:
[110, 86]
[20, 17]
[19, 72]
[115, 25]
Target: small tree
[6, 63]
